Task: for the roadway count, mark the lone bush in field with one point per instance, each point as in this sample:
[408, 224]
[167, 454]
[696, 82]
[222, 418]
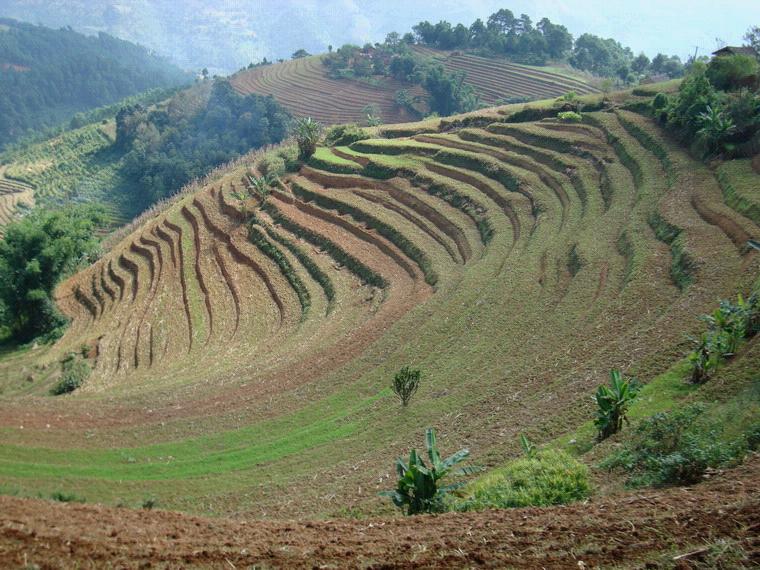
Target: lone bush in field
[612, 404]
[570, 117]
[405, 384]
[417, 490]
[307, 132]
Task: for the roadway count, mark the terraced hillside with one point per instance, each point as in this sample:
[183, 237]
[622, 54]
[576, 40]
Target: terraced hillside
[499, 80]
[12, 193]
[514, 263]
[303, 87]
[77, 165]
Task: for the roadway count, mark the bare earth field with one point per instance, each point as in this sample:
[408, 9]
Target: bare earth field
[619, 531]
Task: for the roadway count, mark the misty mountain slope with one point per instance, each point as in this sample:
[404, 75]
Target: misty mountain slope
[47, 75]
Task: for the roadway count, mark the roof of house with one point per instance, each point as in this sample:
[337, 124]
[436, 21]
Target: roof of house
[736, 50]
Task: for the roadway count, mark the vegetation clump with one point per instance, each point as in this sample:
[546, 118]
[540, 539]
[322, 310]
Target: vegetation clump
[570, 117]
[75, 371]
[677, 448]
[164, 149]
[418, 489]
[36, 253]
[612, 403]
[542, 478]
[308, 133]
[727, 326]
[405, 384]
[717, 108]
[344, 135]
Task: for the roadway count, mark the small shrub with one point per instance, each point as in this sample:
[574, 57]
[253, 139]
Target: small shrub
[570, 117]
[549, 477]
[612, 404]
[727, 326]
[149, 503]
[660, 101]
[289, 153]
[66, 497]
[344, 135]
[704, 359]
[418, 490]
[272, 165]
[672, 448]
[405, 384]
[75, 372]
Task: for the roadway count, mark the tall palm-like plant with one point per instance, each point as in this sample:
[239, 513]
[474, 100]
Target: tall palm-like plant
[308, 133]
[612, 404]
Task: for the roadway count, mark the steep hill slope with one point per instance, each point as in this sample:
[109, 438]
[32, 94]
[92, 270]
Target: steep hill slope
[46, 76]
[515, 263]
[305, 89]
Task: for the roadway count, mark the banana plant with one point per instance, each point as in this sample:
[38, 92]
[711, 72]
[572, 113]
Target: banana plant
[261, 186]
[704, 359]
[418, 490]
[612, 404]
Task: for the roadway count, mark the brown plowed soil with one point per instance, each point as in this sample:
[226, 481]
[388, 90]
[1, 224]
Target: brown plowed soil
[624, 530]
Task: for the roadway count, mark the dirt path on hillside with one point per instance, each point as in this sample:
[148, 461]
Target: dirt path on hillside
[626, 529]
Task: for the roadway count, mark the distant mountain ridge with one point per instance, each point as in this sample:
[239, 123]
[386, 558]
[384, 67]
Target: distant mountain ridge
[46, 75]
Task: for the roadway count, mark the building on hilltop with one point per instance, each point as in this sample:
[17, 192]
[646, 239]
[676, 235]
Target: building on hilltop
[735, 50]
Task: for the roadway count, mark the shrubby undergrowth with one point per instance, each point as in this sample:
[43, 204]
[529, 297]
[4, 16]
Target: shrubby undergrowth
[548, 477]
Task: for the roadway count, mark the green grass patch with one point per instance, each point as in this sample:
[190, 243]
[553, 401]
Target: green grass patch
[324, 159]
[550, 477]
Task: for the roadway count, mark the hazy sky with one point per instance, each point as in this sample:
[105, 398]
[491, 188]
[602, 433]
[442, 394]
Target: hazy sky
[224, 35]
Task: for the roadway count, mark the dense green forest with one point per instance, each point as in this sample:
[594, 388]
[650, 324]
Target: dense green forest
[166, 148]
[46, 75]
